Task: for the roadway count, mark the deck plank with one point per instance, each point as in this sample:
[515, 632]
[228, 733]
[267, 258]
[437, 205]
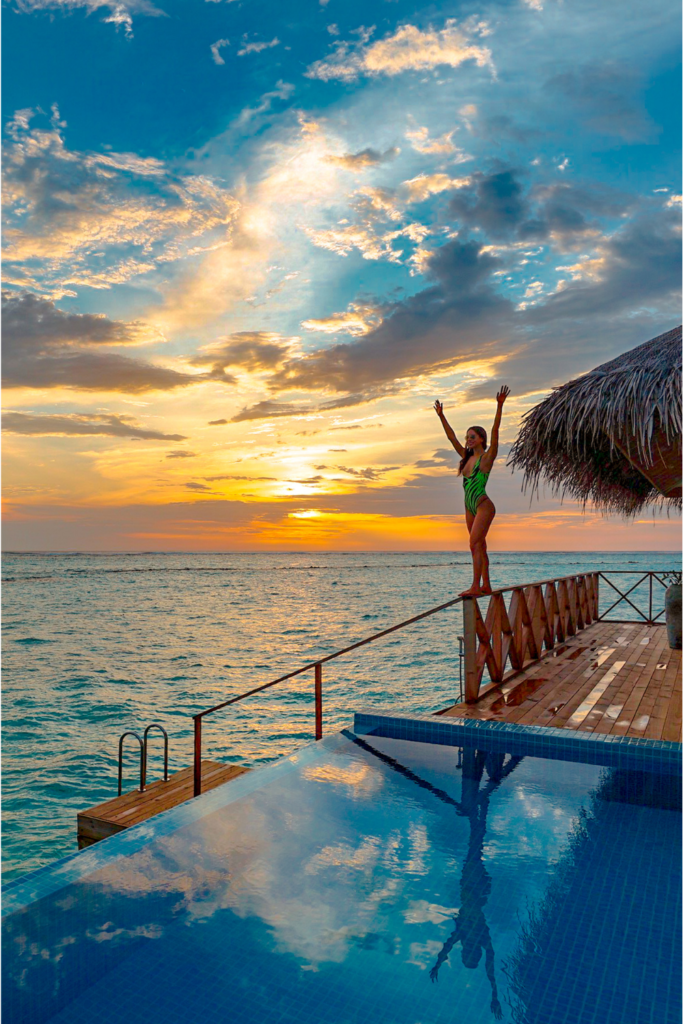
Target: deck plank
[615, 699]
[635, 715]
[571, 685]
[603, 680]
[627, 651]
[547, 671]
[129, 809]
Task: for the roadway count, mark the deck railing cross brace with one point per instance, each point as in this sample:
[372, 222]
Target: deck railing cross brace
[535, 621]
[624, 597]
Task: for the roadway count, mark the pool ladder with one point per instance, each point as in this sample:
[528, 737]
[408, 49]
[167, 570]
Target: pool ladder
[143, 754]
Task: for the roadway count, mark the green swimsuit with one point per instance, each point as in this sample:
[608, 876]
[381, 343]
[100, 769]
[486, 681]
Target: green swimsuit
[475, 487]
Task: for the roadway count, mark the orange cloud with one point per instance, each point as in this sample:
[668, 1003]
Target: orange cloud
[208, 524]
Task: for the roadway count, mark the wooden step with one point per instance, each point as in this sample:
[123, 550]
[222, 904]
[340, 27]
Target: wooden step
[115, 815]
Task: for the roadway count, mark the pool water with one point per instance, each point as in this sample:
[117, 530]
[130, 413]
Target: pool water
[370, 877]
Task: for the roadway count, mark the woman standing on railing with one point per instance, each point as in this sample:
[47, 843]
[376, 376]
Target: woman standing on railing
[476, 463]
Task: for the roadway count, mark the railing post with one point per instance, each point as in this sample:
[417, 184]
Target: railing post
[650, 612]
[197, 755]
[461, 655]
[318, 701]
[469, 623]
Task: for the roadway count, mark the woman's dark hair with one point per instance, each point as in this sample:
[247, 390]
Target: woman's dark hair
[470, 451]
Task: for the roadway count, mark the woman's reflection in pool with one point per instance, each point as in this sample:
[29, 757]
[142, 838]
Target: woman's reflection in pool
[471, 929]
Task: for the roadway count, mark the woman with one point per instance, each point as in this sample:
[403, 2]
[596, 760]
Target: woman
[476, 463]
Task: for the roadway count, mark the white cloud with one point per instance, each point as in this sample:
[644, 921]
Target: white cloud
[407, 49]
[256, 47]
[344, 240]
[425, 185]
[86, 218]
[365, 158]
[468, 112]
[588, 267]
[380, 202]
[357, 320]
[421, 142]
[282, 91]
[120, 11]
[216, 50]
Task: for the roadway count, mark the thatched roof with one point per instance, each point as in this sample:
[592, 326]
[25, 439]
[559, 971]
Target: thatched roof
[613, 436]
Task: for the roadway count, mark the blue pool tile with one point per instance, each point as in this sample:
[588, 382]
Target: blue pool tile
[562, 744]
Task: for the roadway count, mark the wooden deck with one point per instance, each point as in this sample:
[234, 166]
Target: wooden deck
[608, 678]
[115, 815]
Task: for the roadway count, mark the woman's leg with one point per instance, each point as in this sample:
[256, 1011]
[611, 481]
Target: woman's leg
[486, 510]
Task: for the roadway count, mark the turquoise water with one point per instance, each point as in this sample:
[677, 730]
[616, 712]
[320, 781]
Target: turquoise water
[97, 644]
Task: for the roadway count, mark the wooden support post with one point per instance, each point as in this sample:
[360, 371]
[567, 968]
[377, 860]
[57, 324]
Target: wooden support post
[469, 622]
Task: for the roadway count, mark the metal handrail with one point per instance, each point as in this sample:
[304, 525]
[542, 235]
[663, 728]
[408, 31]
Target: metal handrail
[142, 760]
[318, 663]
[153, 725]
[317, 666]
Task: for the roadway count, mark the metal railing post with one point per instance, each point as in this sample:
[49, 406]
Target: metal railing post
[461, 655]
[197, 755]
[470, 631]
[318, 701]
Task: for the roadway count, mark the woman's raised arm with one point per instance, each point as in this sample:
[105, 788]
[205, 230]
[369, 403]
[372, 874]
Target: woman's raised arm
[489, 456]
[448, 429]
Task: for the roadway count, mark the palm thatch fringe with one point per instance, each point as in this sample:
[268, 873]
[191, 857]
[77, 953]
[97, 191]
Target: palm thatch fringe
[572, 439]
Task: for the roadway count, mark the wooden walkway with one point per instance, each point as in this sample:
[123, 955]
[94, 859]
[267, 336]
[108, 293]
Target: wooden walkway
[608, 678]
[131, 808]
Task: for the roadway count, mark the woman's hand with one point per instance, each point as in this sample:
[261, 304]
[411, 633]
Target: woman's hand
[438, 408]
[502, 394]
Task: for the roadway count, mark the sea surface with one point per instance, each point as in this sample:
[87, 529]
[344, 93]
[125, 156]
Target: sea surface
[95, 645]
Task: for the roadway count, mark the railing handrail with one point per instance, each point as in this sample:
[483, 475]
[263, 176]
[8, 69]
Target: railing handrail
[330, 657]
[317, 663]
[376, 636]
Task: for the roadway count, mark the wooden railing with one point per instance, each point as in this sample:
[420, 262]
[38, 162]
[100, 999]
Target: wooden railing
[536, 617]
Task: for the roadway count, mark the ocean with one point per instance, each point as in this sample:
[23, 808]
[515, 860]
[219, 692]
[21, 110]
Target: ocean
[95, 645]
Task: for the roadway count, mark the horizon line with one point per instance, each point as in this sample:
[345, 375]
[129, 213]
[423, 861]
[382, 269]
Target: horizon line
[331, 551]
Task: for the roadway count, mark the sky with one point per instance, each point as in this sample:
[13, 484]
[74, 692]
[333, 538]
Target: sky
[247, 244]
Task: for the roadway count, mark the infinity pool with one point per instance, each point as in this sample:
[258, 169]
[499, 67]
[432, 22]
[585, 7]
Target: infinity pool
[452, 874]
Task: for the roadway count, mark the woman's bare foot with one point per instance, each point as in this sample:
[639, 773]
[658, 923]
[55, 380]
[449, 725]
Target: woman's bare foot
[472, 592]
[486, 588]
